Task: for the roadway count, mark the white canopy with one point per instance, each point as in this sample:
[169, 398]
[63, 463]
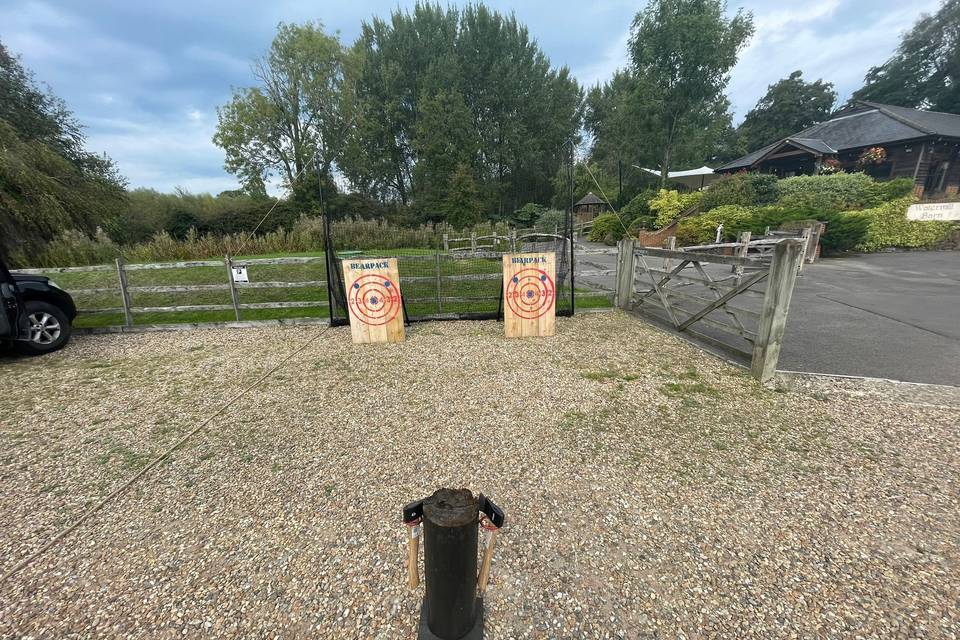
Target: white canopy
[691, 178]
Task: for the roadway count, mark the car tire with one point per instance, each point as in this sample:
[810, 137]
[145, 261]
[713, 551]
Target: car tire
[49, 328]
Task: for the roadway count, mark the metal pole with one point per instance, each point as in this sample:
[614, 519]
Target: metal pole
[233, 286]
[124, 294]
[439, 295]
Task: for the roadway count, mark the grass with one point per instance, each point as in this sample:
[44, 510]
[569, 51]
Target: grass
[474, 296]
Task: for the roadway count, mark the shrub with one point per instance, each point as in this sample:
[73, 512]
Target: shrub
[528, 214]
[668, 205]
[702, 229]
[72, 248]
[887, 226]
[836, 192]
[898, 188]
[636, 213]
[744, 189]
[549, 220]
[606, 228]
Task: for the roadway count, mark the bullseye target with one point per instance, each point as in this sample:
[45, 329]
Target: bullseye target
[529, 294]
[374, 299]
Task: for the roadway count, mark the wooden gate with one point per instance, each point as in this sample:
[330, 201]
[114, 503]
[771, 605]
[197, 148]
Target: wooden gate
[736, 303]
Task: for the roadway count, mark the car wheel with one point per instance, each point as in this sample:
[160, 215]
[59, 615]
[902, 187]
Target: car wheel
[49, 328]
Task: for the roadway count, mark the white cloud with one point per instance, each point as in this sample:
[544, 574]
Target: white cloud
[808, 40]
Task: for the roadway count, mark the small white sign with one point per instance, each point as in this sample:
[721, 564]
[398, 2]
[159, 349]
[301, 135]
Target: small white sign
[934, 211]
[240, 274]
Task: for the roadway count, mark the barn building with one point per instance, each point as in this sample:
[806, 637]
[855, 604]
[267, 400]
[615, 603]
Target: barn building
[882, 140]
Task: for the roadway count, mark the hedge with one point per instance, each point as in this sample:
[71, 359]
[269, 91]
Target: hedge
[887, 226]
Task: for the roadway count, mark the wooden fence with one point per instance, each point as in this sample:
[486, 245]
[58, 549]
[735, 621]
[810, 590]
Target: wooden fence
[448, 285]
[734, 302]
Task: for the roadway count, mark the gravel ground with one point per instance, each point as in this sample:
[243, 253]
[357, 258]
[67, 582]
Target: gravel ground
[650, 490]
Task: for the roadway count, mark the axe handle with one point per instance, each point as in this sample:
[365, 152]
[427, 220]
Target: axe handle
[487, 559]
[413, 549]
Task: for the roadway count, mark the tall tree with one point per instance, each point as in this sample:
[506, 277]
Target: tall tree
[297, 112]
[49, 183]
[925, 70]
[519, 110]
[790, 105]
[681, 53]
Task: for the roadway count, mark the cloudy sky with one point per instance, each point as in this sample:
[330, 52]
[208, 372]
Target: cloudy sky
[145, 78]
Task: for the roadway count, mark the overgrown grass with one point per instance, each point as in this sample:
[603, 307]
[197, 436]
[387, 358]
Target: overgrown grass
[420, 293]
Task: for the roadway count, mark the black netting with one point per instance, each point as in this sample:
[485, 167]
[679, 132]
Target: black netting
[461, 278]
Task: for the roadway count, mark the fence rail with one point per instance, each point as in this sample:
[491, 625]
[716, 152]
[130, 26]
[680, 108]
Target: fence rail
[433, 268]
[713, 296]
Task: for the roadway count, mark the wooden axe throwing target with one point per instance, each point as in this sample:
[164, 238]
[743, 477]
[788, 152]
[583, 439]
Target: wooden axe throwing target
[374, 299]
[529, 294]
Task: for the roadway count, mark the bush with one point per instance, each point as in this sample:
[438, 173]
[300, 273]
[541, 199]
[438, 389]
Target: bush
[636, 214]
[528, 214]
[550, 220]
[668, 205]
[898, 188]
[836, 192]
[702, 229]
[72, 248]
[606, 228]
[744, 189]
[887, 226]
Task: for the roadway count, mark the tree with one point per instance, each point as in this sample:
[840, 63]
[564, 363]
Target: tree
[297, 113]
[516, 110]
[790, 105]
[681, 53]
[925, 70]
[462, 205]
[444, 141]
[49, 184]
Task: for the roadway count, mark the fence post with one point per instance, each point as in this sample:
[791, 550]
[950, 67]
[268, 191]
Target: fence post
[439, 295]
[741, 252]
[671, 244]
[513, 240]
[776, 304]
[233, 286]
[124, 294]
[446, 243]
[473, 241]
[625, 269]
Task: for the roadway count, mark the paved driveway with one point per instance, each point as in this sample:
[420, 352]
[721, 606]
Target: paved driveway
[885, 315]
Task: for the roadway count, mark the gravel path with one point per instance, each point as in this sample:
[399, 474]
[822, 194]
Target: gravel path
[650, 490]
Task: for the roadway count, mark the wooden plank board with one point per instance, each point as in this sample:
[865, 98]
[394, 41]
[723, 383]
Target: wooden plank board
[529, 294]
[374, 299]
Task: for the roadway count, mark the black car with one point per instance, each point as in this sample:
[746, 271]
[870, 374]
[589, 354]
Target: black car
[35, 314]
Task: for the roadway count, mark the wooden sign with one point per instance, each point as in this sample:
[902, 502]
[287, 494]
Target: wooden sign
[374, 299]
[929, 211]
[529, 294]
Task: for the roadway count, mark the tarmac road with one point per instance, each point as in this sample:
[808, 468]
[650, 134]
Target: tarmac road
[884, 315]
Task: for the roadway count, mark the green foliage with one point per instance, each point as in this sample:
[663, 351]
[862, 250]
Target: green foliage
[790, 105]
[897, 188]
[526, 215]
[702, 229]
[835, 192]
[606, 228]
[682, 52]
[48, 183]
[637, 213]
[462, 206]
[550, 220]
[743, 189]
[499, 107]
[887, 226]
[297, 113]
[668, 205]
[923, 72]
